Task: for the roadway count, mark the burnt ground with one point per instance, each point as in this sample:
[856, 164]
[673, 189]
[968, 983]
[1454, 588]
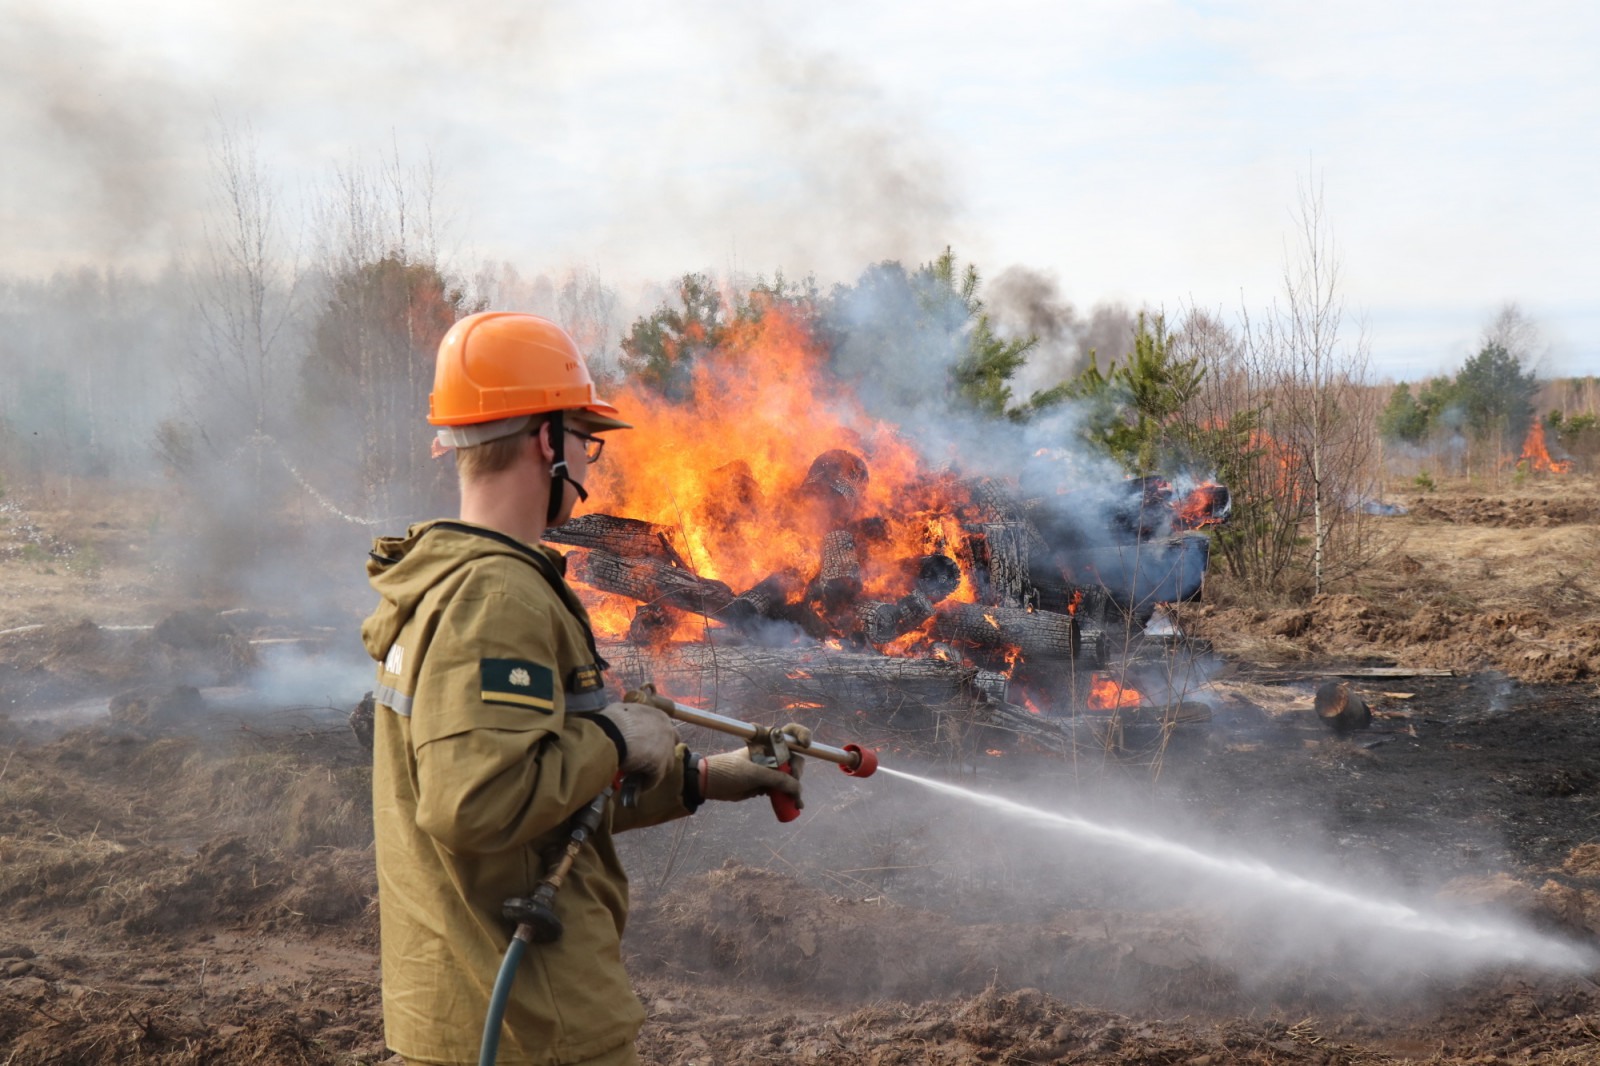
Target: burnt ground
[185, 874]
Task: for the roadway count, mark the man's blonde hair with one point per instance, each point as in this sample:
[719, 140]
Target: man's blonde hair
[493, 456]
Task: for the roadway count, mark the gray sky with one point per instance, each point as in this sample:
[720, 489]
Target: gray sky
[1136, 150]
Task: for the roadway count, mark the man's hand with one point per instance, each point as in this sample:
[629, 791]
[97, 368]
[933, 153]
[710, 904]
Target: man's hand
[645, 738]
[732, 776]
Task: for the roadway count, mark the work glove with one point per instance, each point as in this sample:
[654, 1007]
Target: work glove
[732, 776]
[646, 741]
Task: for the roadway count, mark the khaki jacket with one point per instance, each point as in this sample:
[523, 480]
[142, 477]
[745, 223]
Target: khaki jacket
[478, 763]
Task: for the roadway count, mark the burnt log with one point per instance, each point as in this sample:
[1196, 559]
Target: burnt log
[766, 614]
[1340, 709]
[882, 623]
[745, 681]
[648, 581]
[1001, 502]
[1006, 550]
[1041, 636]
[628, 537]
[836, 482]
[761, 599]
[653, 623]
[937, 576]
[839, 581]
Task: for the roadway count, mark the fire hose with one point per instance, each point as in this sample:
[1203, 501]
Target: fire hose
[535, 916]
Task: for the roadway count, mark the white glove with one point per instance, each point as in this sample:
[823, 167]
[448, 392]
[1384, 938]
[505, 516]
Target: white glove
[732, 776]
[647, 743]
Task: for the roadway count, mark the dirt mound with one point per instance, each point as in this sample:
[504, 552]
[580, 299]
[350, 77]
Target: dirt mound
[1527, 644]
[64, 661]
[1507, 513]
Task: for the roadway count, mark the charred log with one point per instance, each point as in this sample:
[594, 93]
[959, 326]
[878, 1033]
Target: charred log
[1042, 636]
[653, 623]
[762, 599]
[779, 679]
[766, 614]
[839, 581]
[1340, 709]
[937, 577]
[627, 537]
[1006, 549]
[835, 483]
[648, 581]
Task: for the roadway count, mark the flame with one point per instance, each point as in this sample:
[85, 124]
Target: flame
[1106, 694]
[1033, 708]
[1537, 456]
[1205, 506]
[608, 613]
[724, 467]
[993, 751]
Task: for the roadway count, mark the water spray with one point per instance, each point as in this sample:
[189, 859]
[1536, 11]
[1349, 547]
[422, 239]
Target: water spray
[1489, 940]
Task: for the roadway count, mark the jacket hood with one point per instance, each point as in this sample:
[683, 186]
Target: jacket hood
[403, 569]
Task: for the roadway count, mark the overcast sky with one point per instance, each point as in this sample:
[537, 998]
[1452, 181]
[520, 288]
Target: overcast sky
[1148, 152]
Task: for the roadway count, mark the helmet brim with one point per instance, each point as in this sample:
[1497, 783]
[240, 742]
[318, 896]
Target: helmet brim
[599, 416]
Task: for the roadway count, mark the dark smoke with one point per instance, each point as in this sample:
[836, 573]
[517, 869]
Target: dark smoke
[1029, 303]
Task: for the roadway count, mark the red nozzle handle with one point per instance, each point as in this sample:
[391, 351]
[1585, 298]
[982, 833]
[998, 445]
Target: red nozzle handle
[866, 761]
[783, 804]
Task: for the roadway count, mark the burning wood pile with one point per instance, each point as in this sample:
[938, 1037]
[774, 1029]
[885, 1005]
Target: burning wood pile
[764, 542]
[966, 596]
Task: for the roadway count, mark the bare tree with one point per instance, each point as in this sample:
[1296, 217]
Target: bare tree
[384, 303]
[1284, 411]
[1516, 332]
[246, 289]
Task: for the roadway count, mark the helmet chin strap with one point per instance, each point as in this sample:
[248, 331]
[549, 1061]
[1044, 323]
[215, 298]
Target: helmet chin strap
[558, 469]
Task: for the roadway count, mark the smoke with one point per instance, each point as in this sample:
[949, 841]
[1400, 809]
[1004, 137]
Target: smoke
[102, 140]
[1029, 303]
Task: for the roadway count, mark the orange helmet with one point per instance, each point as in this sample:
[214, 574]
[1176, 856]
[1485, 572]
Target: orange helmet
[499, 365]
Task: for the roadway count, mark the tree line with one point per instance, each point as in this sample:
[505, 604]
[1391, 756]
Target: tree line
[283, 363]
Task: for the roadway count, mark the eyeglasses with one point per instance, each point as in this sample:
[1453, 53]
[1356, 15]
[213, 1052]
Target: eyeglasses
[592, 445]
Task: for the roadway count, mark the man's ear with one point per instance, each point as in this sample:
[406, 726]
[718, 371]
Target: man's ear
[541, 442]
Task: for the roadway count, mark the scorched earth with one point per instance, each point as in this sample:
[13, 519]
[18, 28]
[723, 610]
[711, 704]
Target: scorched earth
[186, 865]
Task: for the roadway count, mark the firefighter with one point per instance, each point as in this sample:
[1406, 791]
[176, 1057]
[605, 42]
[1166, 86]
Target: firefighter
[493, 724]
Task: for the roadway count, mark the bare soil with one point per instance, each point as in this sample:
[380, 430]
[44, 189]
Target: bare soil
[186, 866]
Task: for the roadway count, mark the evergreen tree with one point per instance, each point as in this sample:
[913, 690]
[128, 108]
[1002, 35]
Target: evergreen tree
[660, 350]
[1403, 419]
[1496, 393]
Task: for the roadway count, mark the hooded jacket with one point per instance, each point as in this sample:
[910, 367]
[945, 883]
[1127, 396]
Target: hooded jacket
[482, 752]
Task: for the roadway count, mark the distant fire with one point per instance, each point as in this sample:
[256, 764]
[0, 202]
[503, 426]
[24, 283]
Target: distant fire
[1108, 694]
[1537, 456]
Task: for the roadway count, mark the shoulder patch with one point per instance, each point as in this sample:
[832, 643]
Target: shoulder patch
[517, 682]
[585, 679]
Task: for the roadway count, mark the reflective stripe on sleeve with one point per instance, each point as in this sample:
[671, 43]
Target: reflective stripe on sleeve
[394, 699]
[587, 702]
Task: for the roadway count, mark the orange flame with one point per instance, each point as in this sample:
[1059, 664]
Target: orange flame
[1106, 694]
[1199, 509]
[724, 467]
[1537, 456]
